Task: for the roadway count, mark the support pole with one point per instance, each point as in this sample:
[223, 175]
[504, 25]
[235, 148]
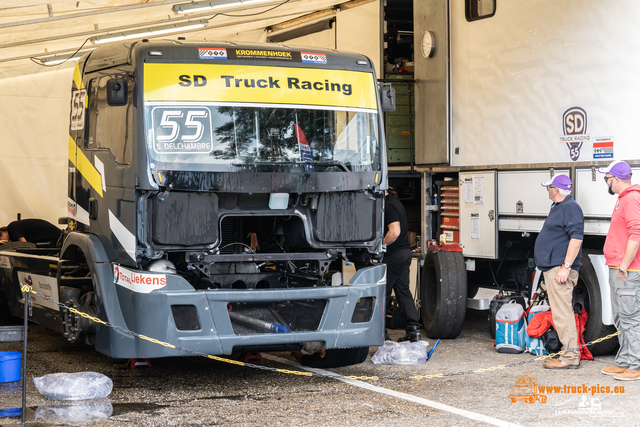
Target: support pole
[27, 296]
[411, 144]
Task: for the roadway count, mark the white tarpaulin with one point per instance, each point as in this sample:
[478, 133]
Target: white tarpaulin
[35, 100]
[34, 111]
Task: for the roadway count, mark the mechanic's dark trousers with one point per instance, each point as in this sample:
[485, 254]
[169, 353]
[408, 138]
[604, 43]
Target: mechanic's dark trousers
[398, 280]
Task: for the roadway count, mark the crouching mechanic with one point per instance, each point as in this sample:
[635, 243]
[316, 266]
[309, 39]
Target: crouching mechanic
[622, 257]
[30, 230]
[557, 253]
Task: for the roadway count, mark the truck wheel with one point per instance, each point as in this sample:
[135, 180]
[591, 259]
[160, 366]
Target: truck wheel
[587, 294]
[443, 294]
[472, 291]
[5, 312]
[6, 318]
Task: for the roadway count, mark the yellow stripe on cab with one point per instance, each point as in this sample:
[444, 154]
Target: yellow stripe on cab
[84, 166]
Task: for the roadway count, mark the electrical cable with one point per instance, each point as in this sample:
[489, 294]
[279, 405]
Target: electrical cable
[236, 243]
[35, 59]
[250, 14]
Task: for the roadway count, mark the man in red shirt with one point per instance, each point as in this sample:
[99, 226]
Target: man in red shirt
[623, 259]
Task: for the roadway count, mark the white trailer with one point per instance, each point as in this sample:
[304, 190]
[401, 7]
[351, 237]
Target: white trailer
[509, 93]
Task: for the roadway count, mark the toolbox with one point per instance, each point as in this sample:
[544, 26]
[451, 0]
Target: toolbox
[11, 333]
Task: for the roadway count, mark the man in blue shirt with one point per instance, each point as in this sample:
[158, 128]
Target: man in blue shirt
[557, 253]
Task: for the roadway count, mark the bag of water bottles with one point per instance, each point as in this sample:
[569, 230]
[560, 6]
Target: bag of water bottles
[77, 386]
[403, 353]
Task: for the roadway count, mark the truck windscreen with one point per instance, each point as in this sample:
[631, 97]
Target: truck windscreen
[221, 117]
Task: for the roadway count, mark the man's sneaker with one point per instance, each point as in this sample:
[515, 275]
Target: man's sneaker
[413, 334]
[613, 370]
[628, 375]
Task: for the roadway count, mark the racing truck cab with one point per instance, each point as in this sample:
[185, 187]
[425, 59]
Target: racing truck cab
[214, 191]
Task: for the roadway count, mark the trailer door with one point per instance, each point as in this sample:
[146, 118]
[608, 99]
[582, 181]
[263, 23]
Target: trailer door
[478, 214]
[431, 20]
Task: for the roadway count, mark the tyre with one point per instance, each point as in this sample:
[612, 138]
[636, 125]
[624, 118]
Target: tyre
[443, 294]
[6, 318]
[492, 324]
[5, 312]
[472, 291]
[587, 294]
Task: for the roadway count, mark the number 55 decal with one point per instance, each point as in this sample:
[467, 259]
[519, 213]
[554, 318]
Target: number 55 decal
[190, 123]
[78, 98]
[181, 130]
[167, 122]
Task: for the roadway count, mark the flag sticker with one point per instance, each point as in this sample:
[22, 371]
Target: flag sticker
[212, 53]
[306, 154]
[603, 147]
[314, 58]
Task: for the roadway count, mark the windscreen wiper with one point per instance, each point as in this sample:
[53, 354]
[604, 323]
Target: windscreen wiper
[301, 162]
[326, 163]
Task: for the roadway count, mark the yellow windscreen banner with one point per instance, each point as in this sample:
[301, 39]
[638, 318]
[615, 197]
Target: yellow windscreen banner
[256, 84]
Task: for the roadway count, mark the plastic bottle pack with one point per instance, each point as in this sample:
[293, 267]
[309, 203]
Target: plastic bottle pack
[76, 386]
[403, 353]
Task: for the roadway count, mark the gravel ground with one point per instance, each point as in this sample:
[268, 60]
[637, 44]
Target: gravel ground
[200, 392]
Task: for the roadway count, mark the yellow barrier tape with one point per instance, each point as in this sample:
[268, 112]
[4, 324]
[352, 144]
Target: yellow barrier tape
[26, 288]
[362, 378]
[286, 371]
[427, 377]
[220, 359]
[86, 316]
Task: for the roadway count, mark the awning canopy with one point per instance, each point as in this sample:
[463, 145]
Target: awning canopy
[37, 29]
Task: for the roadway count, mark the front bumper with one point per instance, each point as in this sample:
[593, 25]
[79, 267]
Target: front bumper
[151, 314]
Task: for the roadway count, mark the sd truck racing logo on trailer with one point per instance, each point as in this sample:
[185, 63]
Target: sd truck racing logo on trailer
[574, 126]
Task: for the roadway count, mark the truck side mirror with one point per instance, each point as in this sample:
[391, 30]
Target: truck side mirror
[117, 92]
[388, 98]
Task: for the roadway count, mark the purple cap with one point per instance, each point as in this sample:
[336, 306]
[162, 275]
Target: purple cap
[619, 169]
[560, 181]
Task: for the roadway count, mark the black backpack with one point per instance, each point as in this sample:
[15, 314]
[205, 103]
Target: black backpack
[551, 340]
[395, 316]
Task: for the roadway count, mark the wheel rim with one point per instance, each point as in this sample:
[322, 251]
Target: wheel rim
[581, 295]
[430, 293]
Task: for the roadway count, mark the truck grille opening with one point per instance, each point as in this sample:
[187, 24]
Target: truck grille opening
[276, 317]
[272, 234]
[186, 317]
[231, 231]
